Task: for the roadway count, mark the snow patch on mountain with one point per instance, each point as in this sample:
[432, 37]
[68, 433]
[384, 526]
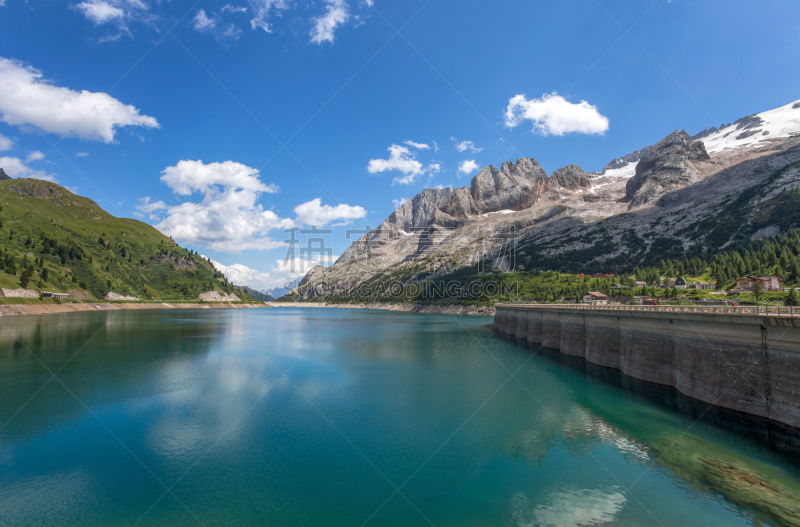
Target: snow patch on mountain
[755, 129]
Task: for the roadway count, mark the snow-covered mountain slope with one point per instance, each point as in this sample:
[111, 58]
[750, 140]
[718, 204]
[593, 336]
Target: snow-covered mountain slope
[674, 198]
[755, 130]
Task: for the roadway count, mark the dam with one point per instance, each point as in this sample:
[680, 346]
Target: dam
[740, 358]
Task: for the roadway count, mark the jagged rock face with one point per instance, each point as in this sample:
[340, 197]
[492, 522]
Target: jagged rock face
[560, 224]
[626, 160]
[571, 177]
[420, 211]
[3, 175]
[668, 166]
[705, 133]
[515, 186]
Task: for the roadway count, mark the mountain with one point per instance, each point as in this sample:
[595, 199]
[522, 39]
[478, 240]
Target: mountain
[3, 175]
[683, 196]
[258, 295]
[54, 240]
[287, 288]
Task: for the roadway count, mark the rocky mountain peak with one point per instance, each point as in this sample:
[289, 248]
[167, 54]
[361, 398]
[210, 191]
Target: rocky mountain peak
[3, 175]
[668, 166]
[515, 186]
[571, 177]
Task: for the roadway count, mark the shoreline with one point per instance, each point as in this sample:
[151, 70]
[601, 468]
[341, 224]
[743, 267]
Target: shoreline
[479, 311]
[10, 310]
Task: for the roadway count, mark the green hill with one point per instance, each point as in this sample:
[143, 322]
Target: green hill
[54, 240]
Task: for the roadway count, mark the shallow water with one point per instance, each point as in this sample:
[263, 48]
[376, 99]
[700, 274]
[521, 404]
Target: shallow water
[336, 417]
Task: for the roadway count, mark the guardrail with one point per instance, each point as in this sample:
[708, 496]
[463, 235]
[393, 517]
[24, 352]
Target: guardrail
[740, 310]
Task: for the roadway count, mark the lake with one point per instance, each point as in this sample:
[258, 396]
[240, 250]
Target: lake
[323, 417]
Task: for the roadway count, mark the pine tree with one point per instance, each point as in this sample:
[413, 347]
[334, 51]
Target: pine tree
[791, 299]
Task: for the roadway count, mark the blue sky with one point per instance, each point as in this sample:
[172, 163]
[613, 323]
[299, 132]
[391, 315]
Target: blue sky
[224, 122]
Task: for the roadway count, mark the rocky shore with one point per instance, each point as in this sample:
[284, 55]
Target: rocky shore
[47, 309]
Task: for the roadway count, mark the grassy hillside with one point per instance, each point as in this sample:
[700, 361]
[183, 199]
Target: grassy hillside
[54, 240]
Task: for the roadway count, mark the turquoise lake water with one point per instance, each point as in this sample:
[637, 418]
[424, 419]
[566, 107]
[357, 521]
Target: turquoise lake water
[327, 417]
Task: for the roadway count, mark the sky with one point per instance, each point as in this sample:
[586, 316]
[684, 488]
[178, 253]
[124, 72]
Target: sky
[225, 123]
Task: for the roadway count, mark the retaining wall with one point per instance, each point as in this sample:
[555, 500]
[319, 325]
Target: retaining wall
[744, 362]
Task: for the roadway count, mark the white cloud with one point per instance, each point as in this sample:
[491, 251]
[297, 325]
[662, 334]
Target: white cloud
[315, 213]
[325, 25]
[463, 146]
[262, 10]
[213, 25]
[418, 146]
[224, 221]
[16, 168]
[554, 115]
[188, 177]
[400, 158]
[468, 167]
[242, 275]
[202, 23]
[100, 11]
[34, 156]
[228, 218]
[117, 13]
[403, 160]
[6, 143]
[283, 272]
[398, 202]
[82, 154]
[233, 9]
[149, 208]
[28, 99]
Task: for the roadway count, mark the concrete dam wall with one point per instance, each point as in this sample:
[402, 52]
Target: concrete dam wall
[737, 359]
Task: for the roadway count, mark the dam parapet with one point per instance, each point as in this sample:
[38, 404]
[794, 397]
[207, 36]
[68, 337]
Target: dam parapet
[744, 358]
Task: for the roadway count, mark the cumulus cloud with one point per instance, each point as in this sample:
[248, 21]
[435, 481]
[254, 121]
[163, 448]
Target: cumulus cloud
[403, 160]
[263, 10]
[554, 115]
[30, 100]
[315, 213]
[6, 143]
[400, 158]
[228, 218]
[398, 202]
[463, 146]
[242, 275]
[335, 15]
[283, 272]
[418, 146]
[468, 167]
[16, 168]
[188, 177]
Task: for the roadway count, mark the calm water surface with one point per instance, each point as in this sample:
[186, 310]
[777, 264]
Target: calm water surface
[323, 417]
